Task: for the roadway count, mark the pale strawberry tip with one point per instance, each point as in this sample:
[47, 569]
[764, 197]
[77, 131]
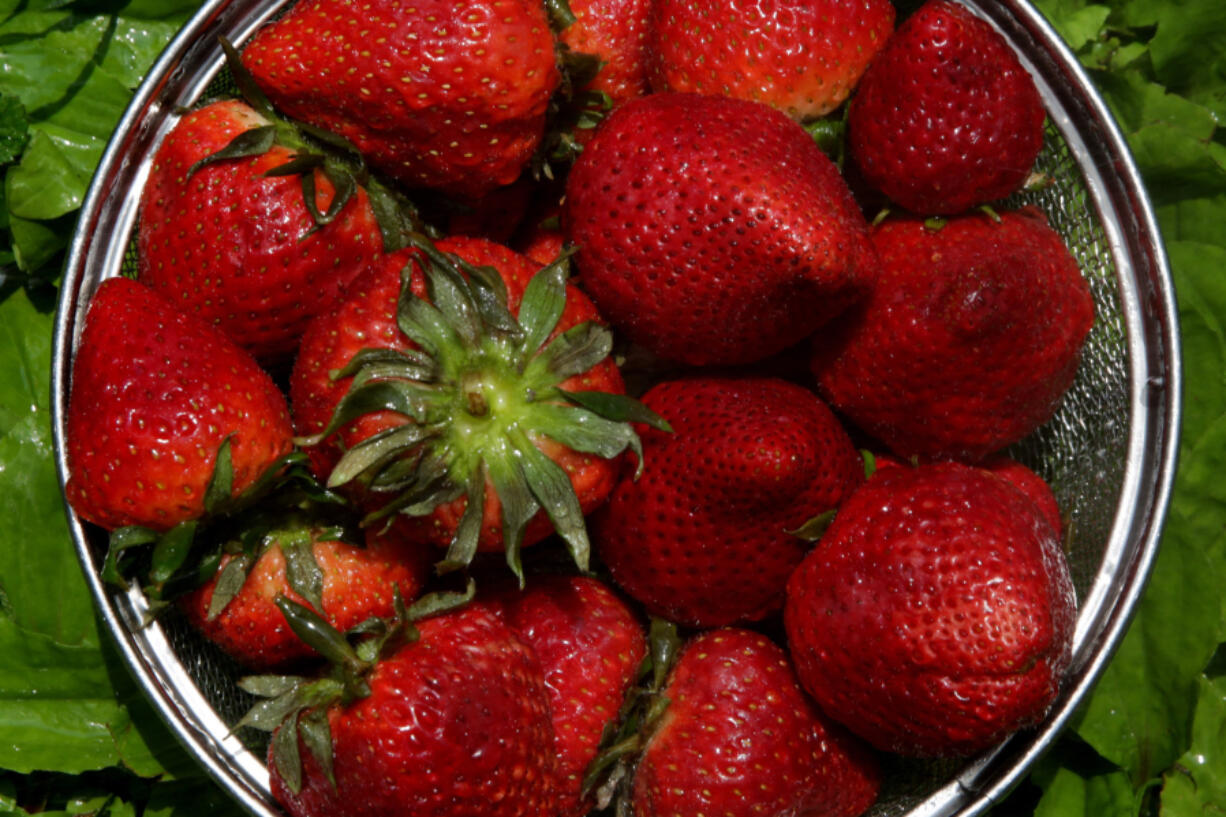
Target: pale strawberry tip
[480, 388]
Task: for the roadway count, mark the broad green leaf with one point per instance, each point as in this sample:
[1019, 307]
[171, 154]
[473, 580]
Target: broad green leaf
[1075, 21]
[1140, 715]
[40, 582]
[60, 711]
[1070, 794]
[1189, 53]
[14, 128]
[1196, 784]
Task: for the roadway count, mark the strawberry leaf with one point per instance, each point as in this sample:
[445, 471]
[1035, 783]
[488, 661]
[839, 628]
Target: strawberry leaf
[542, 305]
[518, 504]
[253, 142]
[553, 490]
[468, 533]
[302, 570]
[620, 408]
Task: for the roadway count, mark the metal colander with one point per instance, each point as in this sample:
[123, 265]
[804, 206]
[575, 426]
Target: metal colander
[1109, 452]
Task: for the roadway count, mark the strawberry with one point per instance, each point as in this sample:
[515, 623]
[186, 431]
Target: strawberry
[345, 583]
[969, 340]
[946, 117]
[502, 391]
[713, 230]
[803, 58]
[615, 31]
[449, 719]
[437, 94]
[935, 616]
[739, 737]
[590, 645]
[709, 533]
[228, 238]
[1019, 475]
[156, 394]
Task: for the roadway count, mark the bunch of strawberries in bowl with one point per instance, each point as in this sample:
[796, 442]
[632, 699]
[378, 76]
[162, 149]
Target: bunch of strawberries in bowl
[604, 406]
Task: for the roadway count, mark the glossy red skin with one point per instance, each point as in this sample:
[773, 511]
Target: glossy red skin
[1021, 477]
[240, 248]
[154, 394]
[969, 340]
[740, 739]
[803, 58]
[358, 583]
[935, 616]
[367, 318]
[945, 118]
[443, 94]
[590, 644]
[713, 230]
[616, 31]
[702, 536]
[457, 724]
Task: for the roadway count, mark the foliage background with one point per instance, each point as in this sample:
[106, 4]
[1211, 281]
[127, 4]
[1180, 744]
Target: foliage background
[76, 737]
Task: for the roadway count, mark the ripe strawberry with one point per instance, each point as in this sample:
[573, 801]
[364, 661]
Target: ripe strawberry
[451, 723]
[946, 117]
[969, 340]
[345, 583]
[740, 737]
[803, 58]
[713, 230]
[155, 393]
[706, 535]
[437, 94]
[935, 616]
[616, 32]
[590, 645]
[239, 246]
[514, 411]
[1017, 474]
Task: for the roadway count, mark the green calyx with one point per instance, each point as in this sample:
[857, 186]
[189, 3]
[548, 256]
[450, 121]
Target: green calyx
[171, 562]
[294, 707]
[477, 392]
[314, 149]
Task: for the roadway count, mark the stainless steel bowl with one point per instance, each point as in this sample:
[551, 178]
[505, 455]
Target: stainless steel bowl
[1109, 452]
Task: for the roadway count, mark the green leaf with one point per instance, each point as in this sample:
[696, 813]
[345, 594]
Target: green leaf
[1196, 784]
[542, 305]
[1140, 715]
[41, 586]
[552, 488]
[1069, 794]
[14, 128]
[73, 709]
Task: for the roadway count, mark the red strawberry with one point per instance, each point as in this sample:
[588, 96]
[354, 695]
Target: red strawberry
[155, 393]
[935, 616]
[946, 117]
[439, 94]
[803, 58]
[590, 645]
[451, 724]
[355, 583]
[739, 738]
[616, 32]
[705, 536]
[496, 419]
[713, 230]
[238, 246]
[969, 340]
